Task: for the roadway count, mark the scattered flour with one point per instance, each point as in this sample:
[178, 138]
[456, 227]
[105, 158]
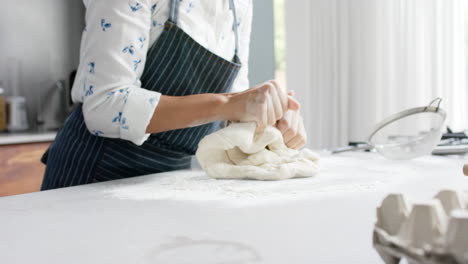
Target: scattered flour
[340, 175]
[195, 185]
[352, 173]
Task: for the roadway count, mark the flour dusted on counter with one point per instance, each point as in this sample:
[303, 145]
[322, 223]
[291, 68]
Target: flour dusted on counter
[340, 176]
[195, 186]
[236, 152]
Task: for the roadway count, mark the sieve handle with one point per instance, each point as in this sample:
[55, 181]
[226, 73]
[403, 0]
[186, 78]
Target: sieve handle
[352, 148]
[438, 100]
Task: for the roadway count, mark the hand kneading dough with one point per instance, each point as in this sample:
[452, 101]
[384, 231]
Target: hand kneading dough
[236, 152]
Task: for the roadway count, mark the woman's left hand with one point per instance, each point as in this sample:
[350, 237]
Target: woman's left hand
[292, 128]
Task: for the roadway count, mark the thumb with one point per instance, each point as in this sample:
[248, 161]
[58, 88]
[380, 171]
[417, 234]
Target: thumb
[293, 104]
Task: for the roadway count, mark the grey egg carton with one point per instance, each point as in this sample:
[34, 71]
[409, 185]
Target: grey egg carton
[433, 231]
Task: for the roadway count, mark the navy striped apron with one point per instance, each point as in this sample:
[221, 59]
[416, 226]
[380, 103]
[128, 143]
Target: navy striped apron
[177, 66]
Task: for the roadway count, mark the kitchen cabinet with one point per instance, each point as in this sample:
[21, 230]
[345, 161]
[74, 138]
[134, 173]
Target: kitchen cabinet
[21, 169]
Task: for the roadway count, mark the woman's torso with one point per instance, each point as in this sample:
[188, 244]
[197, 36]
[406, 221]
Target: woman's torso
[208, 22]
[89, 158]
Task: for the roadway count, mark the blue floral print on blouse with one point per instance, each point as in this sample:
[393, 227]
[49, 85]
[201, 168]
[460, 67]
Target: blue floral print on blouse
[110, 94]
[121, 120]
[117, 118]
[135, 7]
[129, 49]
[136, 64]
[92, 67]
[89, 92]
[152, 101]
[105, 25]
[156, 23]
[97, 133]
[123, 124]
[190, 7]
[142, 42]
[125, 91]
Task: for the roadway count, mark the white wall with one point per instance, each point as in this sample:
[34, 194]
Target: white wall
[45, 36]
[262, 50]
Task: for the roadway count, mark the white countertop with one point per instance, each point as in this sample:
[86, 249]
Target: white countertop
[24, 138]
[184, 217]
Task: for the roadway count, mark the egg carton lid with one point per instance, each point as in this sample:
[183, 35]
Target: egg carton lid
[392, 251]
[431, 231]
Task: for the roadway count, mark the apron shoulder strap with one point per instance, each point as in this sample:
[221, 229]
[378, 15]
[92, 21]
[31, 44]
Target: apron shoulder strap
[174, 11]
[235, 26]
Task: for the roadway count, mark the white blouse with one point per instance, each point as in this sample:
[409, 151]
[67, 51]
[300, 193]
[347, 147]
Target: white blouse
[114, 45]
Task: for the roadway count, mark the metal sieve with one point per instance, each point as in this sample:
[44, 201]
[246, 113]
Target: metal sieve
[406, 135]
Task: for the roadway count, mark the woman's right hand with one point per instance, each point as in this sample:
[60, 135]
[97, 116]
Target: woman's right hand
[264, 104]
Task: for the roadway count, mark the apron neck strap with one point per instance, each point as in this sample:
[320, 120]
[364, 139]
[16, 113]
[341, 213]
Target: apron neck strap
[174, 12]
[174, 16]
[235, 25]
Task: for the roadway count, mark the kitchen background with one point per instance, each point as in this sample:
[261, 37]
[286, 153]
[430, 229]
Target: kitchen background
[40, 43]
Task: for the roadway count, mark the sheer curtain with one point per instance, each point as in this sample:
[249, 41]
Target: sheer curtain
[354, 62]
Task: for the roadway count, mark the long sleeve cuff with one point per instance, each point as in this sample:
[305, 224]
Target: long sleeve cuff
[137, 115]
